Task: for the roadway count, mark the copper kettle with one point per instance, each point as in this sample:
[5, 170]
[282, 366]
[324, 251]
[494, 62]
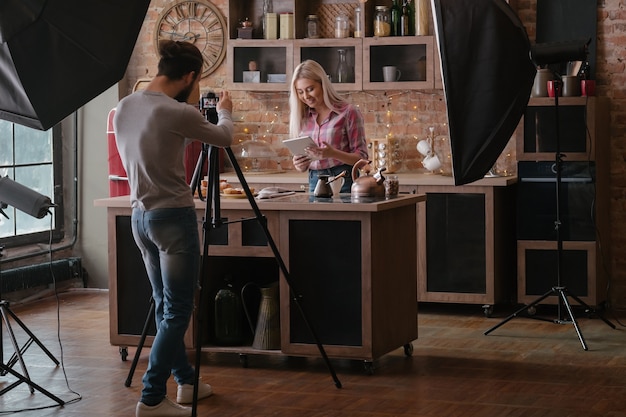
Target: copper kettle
[367, 185]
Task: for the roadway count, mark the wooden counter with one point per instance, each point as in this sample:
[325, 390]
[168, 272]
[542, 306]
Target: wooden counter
[466, 234]
[352, 264]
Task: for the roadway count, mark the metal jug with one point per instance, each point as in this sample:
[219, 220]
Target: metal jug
[267, 328]
[322, 188]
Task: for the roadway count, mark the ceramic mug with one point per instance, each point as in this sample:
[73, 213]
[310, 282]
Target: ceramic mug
[431, 162]
[336, 185]
[424, 147]
[551, 88]
[588, 87]
[391, 74]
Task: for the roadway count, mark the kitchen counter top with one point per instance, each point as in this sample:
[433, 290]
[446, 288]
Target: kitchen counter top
[405, 178]
[296, 202]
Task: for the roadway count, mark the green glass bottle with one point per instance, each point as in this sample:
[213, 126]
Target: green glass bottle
[411, 12]
[396, 12]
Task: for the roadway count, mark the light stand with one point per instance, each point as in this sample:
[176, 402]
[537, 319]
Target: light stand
[36, 205]
[558, 52]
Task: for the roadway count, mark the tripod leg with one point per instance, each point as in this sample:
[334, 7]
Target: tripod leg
[572, 317]
[582, 303]
[281, 263]
[142, 340]
[16, 348]
[516, 313]
[31, 384]
[30, 334]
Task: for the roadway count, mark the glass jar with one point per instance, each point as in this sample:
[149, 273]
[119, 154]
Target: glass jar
[342, 26]
[382, 21]
[358, 32]
[312, 24]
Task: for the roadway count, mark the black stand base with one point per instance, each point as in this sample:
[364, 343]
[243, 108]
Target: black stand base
[142, 340]
[17, 357]
[562, 293]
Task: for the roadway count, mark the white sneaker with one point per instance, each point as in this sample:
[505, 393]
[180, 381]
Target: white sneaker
[165, 408]
[185, 392]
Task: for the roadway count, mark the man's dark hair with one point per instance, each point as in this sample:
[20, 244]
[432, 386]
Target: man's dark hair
[178, 59]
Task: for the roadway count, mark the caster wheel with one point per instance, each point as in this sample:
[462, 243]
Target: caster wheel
[408, 349]
[124, 353]
[368, 367]
[243, 360]
[488, 310]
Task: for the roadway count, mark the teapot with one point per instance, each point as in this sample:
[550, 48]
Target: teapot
[367, 185]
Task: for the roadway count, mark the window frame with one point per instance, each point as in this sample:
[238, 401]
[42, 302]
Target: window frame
[58, 230]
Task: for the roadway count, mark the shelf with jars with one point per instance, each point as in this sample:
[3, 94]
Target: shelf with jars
[324, 31]
[341, 58]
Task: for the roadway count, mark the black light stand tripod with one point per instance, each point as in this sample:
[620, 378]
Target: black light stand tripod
[17, 357]
[559, 290]
[213, 220]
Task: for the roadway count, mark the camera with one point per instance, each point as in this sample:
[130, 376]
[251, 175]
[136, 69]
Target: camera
[208, 104]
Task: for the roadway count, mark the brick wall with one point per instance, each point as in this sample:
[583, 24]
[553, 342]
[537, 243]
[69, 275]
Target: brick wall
[407, 115]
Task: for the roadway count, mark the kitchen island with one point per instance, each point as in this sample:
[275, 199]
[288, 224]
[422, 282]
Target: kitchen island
[352, 265]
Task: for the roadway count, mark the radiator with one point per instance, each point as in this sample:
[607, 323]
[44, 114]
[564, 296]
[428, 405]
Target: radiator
[32, 276]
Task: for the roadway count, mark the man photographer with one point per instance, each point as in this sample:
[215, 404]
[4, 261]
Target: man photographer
[152, 128]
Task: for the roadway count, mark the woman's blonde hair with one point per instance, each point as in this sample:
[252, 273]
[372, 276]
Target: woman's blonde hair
[311, 70]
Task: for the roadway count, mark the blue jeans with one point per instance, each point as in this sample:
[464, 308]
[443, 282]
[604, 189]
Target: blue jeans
[315, 173]
[170, 246]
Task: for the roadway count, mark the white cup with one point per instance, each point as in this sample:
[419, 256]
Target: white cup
[423, 147]
[336, 185]
[391, 74]
[431, 162]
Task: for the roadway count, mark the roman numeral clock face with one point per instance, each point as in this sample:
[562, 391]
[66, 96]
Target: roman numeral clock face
[199, 22]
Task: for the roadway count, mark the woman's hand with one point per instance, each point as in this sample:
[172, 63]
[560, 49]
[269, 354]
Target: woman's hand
[320, 152]
[301, 162]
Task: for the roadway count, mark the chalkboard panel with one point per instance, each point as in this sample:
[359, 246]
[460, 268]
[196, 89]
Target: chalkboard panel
[568, 20]
[325, 268]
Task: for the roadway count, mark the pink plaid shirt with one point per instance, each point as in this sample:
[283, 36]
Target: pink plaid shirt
[344, 131]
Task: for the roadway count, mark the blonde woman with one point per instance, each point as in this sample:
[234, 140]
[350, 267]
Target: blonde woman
[334, 124]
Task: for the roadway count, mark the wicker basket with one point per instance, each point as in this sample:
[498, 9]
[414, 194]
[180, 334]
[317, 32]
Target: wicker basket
[327, 13]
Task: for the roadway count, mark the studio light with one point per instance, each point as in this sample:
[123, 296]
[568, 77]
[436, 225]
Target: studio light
[24, 199]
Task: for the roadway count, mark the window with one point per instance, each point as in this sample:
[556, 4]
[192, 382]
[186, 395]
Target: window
[32, 158]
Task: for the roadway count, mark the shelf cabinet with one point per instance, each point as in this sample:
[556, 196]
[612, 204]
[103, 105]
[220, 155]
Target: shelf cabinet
[583, 198]
[413, 55]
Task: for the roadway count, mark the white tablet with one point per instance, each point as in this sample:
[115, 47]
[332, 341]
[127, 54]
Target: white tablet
[297, 146]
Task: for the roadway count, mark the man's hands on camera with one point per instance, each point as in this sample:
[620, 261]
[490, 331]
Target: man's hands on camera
[224, 103]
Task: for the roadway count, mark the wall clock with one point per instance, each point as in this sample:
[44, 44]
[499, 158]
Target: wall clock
[199, 22]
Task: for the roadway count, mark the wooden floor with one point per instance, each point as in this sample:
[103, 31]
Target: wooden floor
[526, 368]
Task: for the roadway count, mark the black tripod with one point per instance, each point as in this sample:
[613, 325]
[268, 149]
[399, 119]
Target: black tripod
[559, 289]
[212, 212]
[17, 357]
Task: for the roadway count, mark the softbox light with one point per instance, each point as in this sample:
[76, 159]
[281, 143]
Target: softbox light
[57, 55]
[23, 198]
[487, 78]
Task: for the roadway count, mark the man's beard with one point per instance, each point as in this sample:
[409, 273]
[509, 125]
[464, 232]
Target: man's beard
[183, 96]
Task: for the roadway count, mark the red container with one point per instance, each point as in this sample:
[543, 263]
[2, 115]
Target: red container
[118, 180]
